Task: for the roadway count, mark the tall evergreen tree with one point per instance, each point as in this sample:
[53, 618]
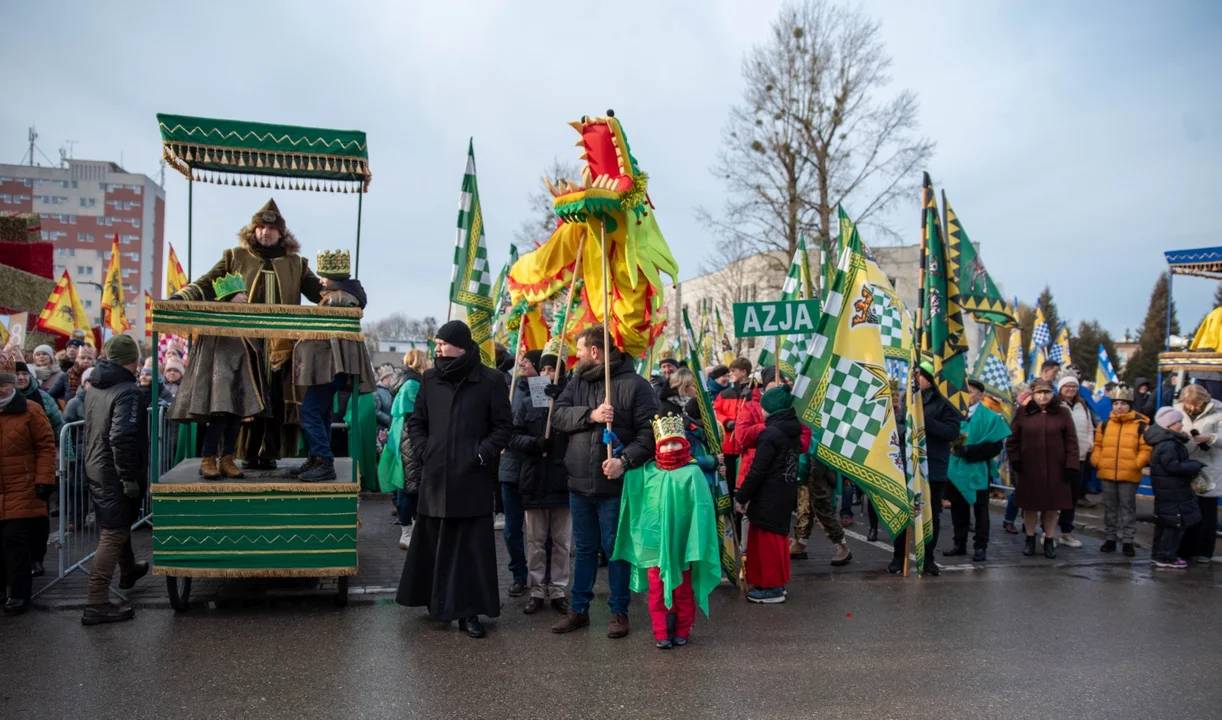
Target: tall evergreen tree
[1084, 346]
[1153, 338]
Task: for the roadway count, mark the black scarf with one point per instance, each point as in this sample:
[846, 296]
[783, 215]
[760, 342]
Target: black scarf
[268, 253]
[595, 373]
[453, 370]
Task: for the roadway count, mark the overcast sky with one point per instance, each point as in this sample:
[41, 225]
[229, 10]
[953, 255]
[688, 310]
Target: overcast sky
[1076, 141]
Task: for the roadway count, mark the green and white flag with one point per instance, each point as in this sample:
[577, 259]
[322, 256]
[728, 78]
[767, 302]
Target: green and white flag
[844, 394]
[500, 291]
[798, 286]
[471, 281]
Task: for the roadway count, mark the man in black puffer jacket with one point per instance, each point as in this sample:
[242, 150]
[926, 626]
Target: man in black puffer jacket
[595, 483]
[116, 455]
[942, 423]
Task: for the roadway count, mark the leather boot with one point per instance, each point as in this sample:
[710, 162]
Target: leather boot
[323, 471]
[573, 620]
[127, 582]
[107, 613]
[1029, 548]
[618, 627]
[956, 550]
[230, 469]
[1050, 548]
[209, 469]
[980, 555]
[797, 549]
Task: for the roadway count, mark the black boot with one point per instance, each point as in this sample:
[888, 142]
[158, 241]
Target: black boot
[306, 466]
[931, 568]
[127, 582]
[16, 607]
[1029, 548]
[37, 569]
[1050, 548]
[955, 550]
[978, 555]
[1127, 549]
[107, 613]
[872, 536]
[1108, 546]
[473, 627]
[323, 471]
[896, 566]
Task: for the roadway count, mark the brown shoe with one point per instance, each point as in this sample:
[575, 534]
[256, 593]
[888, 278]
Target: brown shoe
[618, 627]
[230, 469]
[572, 621]
[208, 468]
[797, 549]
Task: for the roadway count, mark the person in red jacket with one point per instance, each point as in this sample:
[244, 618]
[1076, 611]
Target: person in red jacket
[726, 406]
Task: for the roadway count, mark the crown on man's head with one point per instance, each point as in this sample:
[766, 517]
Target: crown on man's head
[667, 428]
[230, 284]
[335, 262]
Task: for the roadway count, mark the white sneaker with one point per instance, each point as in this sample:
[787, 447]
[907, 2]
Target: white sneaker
[1070, 541]
[498, 521]
[405, 537]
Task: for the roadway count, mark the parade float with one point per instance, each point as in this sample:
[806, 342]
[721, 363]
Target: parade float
[267, 524]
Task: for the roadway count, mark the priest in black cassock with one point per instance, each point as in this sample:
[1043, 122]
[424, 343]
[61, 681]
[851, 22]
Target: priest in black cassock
[461, 423]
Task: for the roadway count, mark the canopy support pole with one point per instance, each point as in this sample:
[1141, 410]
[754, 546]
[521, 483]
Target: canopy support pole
[360, 199]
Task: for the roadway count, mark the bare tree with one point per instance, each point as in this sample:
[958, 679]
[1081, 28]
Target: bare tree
[812, 132]
[541, 222]
[398, 326]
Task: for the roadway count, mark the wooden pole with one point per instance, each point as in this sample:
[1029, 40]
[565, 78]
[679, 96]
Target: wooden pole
[777, 349]
[568, 309]
[606, 253]
[513, 377]
[920, 341]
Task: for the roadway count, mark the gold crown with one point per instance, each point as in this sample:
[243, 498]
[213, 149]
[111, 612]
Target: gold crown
[230, 284]
[667, 428]
[334, 263]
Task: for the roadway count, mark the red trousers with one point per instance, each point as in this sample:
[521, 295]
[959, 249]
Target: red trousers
[683, 602]
[767, 559]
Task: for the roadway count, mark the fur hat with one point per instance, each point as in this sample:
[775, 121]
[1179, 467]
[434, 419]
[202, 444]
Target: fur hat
[269, 214]
[8, 365]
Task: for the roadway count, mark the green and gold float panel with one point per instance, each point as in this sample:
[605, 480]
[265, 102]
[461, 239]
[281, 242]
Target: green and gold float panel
[267, 525]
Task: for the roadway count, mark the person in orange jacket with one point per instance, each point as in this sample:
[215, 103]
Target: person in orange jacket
[1119, 456]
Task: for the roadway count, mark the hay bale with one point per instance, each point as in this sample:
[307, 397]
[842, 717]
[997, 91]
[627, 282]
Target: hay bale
[20, 227]
[21, 291]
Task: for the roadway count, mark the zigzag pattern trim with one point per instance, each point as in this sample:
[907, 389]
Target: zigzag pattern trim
[261, 138]
[191, 539]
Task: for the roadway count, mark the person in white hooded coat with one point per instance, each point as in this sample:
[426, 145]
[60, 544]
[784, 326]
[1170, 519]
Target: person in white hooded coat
[1203, 422]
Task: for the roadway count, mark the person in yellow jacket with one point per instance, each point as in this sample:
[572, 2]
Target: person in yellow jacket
[1119, 455]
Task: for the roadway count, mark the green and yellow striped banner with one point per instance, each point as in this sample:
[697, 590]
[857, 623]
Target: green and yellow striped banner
[294, 322]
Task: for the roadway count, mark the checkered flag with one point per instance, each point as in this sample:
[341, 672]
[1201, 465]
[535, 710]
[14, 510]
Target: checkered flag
[471, 280]
[890, 321]
[897, 370]
[995, 375]
[854, 409]
[1040, 336]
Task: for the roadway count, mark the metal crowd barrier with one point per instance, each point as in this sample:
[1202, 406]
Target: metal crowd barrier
[76, 537]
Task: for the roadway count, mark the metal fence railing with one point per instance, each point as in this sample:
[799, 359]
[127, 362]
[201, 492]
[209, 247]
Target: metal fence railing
[76, 537]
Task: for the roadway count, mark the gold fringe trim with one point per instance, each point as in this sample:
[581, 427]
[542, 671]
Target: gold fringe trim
[170, 571]
[256, 309]
[159, 488]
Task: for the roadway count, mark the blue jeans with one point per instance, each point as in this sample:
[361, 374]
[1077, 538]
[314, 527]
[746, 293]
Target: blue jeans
[1011, 509]
[515, 541]
[407, 507]
[595, 520]
[316, 417]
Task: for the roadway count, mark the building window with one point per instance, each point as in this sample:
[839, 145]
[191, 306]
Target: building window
[7, 199]
[46, 235]
[80, 269]
[138, 189]
[73, 184]
[135, 222]
[71, 219]
[88, 304]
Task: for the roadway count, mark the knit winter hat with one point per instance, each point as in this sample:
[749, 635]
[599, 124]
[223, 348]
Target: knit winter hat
[1168, 416]
[173, 363]
[455, 333]
[122, 350]
[535, 358]
[777, 399]
[718, 372]
[44, 349]
[1067, 380]
[668, 361]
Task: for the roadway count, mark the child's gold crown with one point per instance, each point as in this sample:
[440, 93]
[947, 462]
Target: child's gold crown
[334, 263]
[667, 428]
[230, 284]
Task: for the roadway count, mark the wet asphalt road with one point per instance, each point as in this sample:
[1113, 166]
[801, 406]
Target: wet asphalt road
[1081, 643]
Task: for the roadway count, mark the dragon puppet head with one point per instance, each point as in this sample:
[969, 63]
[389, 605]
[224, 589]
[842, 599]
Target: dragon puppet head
[611, 202]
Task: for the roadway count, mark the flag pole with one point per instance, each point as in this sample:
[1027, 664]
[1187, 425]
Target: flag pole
[920, 343]
[517, 345]
[568, 309]
[606, 324]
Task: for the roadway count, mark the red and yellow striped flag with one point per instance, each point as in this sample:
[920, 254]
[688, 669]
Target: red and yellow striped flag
[175, 278]
[148, 314]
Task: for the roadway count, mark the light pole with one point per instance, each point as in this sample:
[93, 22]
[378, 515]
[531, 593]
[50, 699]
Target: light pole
[101, 293]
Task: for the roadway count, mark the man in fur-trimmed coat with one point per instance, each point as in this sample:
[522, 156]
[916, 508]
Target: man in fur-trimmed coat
[268, 259]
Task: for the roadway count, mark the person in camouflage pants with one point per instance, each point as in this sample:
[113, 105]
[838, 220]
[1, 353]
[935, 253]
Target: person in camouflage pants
[817, 486]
